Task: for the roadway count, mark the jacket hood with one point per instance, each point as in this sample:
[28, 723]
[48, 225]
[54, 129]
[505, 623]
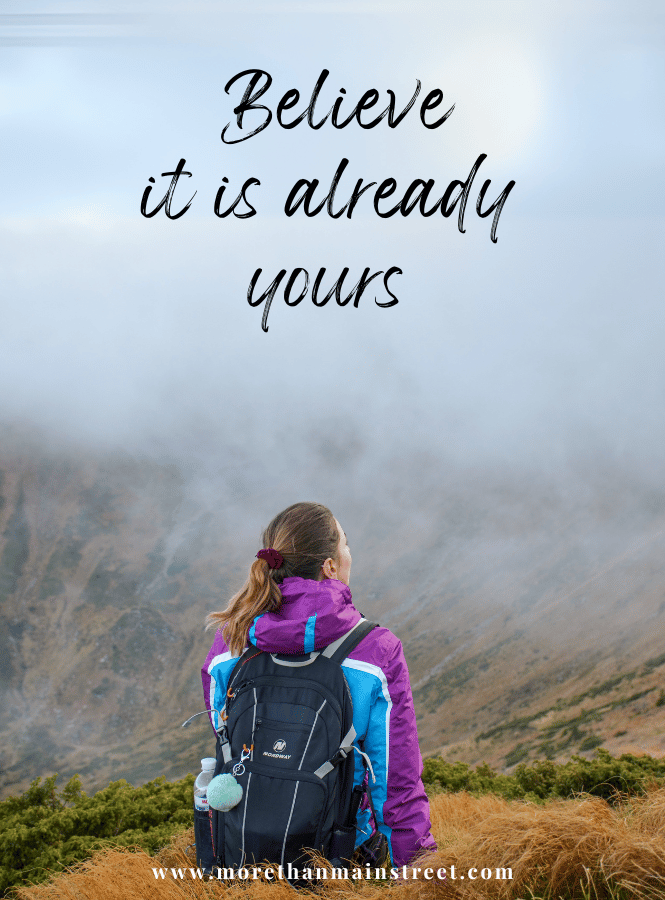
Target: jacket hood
[313, 614]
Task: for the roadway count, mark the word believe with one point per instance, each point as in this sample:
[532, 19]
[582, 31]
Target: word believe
[290, 99]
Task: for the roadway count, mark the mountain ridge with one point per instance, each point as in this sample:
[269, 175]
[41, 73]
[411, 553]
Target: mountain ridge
[522, 606]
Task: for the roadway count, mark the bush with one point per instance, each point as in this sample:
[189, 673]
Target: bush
[42, 831]
[603, 776]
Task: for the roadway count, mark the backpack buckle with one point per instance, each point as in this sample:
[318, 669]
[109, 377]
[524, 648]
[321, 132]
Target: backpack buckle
[339, 757]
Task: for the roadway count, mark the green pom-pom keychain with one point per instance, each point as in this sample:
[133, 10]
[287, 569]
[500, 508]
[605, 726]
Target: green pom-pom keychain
[224, 792]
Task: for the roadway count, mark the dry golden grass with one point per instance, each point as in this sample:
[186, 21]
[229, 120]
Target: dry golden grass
[582, 849]
[566, 848]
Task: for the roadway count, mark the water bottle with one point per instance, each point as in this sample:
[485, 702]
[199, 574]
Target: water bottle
[202, 826]
[203, 779]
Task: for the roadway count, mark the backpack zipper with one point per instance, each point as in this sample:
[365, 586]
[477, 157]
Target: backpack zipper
[231, 695]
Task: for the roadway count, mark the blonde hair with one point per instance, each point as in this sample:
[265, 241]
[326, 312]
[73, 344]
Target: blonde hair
[305, 535]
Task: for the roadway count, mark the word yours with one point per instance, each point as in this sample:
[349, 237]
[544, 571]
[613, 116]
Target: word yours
[297, 276]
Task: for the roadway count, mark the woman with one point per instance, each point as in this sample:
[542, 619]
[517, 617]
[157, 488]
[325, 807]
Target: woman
[296, 600]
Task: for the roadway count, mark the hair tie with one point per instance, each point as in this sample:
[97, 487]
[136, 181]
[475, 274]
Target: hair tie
[273, 557]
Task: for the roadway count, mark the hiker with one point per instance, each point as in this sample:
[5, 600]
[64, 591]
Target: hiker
[296, 600]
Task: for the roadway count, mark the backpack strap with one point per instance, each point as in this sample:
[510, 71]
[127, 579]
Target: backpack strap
[340, 649]
[244, 657]
[222, 734]
[337, 652]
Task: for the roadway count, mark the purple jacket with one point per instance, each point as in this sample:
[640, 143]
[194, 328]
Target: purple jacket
[314, 614]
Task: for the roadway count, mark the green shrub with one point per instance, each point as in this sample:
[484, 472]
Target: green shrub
[42, 831]
[590, 742]
[602, 776]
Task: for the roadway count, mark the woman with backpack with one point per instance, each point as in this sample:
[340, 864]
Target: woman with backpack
[296, 601]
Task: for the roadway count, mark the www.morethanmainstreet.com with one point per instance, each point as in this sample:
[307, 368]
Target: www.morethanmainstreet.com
[293, 873]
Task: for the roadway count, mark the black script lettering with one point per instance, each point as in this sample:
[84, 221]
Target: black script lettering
[393, 123]
[256, 88]
[385, 189]
[241, 197]
[363, 281]
[288, 101]
[421, 190]
[317, 285]
[248, 102]
[367, 101]
[267, 295]
[312, 102]
[336, 289]
[354, 294]
[307, 197]
[417, 194]
[168, 196]
[432, 100]
[393, 270]
[497, 205]
[355, 196]
[289, 286]
[292, 96]
[463, 194]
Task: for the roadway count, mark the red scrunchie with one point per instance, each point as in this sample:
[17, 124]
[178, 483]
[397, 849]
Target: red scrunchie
[273, 557]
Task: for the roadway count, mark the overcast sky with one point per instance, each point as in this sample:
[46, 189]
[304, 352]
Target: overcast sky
[136, 332]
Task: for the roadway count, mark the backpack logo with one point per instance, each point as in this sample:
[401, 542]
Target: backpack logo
[278, 750]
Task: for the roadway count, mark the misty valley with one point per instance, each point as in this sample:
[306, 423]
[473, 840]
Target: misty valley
[535, 634]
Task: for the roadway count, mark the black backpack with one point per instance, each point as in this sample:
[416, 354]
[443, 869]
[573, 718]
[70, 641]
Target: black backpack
[287, 737]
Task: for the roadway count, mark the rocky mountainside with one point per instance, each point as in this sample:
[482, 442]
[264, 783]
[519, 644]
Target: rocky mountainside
[532, 609]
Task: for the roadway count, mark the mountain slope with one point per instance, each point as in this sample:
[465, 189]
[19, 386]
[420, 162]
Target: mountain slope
[532, 611]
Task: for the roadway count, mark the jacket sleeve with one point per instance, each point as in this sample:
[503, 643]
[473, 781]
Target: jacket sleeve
[400, 802]
[215, 676]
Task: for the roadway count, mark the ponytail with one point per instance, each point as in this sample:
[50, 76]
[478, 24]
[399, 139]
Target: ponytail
[305, 535]
[260, 594]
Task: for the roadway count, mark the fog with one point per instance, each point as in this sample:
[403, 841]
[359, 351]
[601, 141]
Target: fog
[540, 354]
